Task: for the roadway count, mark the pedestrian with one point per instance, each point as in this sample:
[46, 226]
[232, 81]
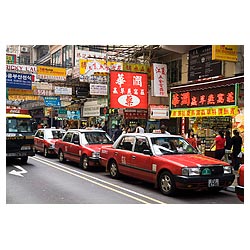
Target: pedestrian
[105, 127]
[191, 138]
[164, 130]
[126, 130]
[236, 149]
[117, 132]
[139, 128]
[228, 146]
[219, 143]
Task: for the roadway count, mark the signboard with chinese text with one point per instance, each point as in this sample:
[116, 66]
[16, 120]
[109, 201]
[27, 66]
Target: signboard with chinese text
[18, 80]
[132, 114]
[52, 101]
[220, 96]
[225, 53]
[98, 89]
[159, 80]
[128, 90]
[159, 112]
[205, 112]
[51, 73]
[201, 65]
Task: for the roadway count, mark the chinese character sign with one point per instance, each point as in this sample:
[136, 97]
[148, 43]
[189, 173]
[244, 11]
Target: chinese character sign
[201, 98]
[128, 90]
[159, 81]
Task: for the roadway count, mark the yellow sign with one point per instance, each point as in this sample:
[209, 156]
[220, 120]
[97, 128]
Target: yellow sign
[225, 53]
[24, 97]
[202, 112]
[12, 91]
[51, 71]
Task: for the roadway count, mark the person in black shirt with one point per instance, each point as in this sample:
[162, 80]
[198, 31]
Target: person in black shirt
[228, 146]
[236, 143]
[117, 132]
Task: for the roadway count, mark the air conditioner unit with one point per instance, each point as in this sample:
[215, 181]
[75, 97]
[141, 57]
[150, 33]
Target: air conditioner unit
[24, 49]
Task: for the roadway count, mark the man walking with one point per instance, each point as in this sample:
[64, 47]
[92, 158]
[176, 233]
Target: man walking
[236, 144]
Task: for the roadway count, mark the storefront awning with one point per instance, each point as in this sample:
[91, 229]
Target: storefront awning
[208, 85]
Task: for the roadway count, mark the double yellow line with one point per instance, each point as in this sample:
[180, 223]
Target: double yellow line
[99, 182]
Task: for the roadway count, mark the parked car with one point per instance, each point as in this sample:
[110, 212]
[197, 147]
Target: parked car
[45, 138]
[168, 161]
[239, 189]
[82, 146]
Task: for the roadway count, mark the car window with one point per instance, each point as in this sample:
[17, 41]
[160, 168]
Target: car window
[68, 137]
[96, 137]
[126, 143]
[170, 145]
[76, 139]
[141, 144]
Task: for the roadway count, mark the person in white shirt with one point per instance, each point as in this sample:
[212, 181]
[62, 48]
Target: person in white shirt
[139, 129]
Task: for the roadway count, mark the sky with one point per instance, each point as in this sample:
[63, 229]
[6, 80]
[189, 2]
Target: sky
[114, 22]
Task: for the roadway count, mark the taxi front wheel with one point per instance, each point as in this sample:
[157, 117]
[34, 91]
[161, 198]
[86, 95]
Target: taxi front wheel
[84, 162]
[166, 183]
[113, 170]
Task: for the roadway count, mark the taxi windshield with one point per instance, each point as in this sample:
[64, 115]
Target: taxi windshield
[172, 145]
[18, 125]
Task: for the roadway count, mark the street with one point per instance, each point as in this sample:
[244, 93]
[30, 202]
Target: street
[46, 181]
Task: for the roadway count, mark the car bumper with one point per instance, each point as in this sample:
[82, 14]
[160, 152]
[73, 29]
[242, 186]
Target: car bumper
[20, 154]
[94, 161]
[201, 182]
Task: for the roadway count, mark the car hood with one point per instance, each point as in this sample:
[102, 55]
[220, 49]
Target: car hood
[51, 141]
[192, 160]
[97, 147]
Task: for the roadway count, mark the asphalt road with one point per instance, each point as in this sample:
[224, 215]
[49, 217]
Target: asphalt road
[46, 181]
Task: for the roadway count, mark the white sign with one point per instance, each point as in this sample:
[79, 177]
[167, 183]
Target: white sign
[63, 91]
[90, 109]
[21, 68]
[159, 82]
[98, 89]
[159, 112]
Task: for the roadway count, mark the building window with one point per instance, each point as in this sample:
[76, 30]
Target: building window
[174, 71]
[56, 59]
[67, 56]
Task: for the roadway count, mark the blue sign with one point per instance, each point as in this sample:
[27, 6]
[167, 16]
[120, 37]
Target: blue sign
[73, 115]
[52, 101]
[18, 80]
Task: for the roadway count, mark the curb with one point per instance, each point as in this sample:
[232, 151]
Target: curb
[230, 189]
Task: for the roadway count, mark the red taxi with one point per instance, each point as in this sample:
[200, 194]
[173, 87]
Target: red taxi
[82, 146]
[168, 161]
[45, 138]
[239, 189]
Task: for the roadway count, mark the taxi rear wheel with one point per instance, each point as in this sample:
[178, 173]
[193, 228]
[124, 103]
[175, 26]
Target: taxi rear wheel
[166, 183]
[113, 170]
[61, 156]
[84, 162]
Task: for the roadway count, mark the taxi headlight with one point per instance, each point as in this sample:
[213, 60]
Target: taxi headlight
[96, 154]
[190, 171]
[228, 169]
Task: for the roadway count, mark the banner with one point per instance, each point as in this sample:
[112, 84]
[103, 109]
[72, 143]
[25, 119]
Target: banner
[128, 90]
[204, 112]
[52, 73]
[159, 80]
[18, 80]
[225, 53]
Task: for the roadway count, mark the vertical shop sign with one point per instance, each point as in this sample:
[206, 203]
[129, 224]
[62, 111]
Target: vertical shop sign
[159, 81]
[128, 90]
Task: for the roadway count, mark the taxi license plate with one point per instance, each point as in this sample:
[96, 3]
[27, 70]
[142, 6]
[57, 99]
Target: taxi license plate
[213, 182]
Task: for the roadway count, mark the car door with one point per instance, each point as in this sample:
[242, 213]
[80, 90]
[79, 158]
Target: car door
[39, 137]
[122, 154]
[141, 161]
[66, 145]
[75, 148]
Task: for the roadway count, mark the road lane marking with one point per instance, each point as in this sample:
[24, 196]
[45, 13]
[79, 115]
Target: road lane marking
[18, 173]
[65, 169]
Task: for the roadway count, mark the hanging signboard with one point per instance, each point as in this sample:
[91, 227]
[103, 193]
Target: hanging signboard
[225, 53]
[98, 89]
[52, 101]
[51, 73]
[18, 80]
[159, 112]
[159, 80]
[128, 90]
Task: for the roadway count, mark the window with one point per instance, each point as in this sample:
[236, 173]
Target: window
[67, 56]
[174, 71]
[141, 144]
[68, 137]
[76, 139]
[56, 58]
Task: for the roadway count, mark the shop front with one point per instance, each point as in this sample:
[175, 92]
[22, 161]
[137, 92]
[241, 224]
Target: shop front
[208, 108]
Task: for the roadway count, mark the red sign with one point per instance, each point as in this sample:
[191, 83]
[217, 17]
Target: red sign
[128, 90]
[17, 111]
[221, 96]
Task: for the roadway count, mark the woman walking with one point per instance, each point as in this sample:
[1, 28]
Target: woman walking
[219, 143]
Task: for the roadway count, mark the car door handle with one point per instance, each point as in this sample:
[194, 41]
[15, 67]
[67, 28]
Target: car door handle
[133, 157]
[116, 153]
